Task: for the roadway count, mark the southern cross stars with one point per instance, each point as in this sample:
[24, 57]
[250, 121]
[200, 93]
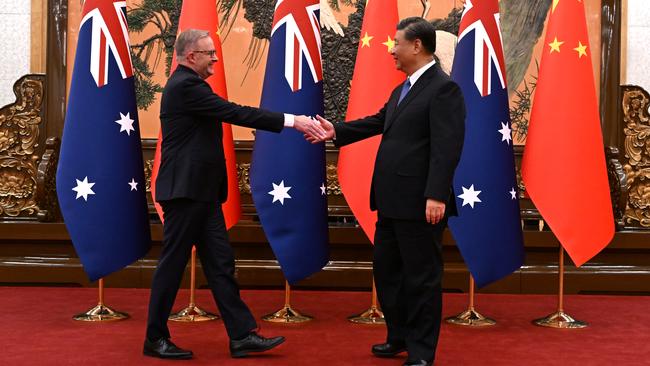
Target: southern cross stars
[126, 123]
[133, 184]
[83, 188]
[505, 132]
[280, 192]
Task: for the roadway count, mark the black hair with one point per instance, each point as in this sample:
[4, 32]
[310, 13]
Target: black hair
[419, 28]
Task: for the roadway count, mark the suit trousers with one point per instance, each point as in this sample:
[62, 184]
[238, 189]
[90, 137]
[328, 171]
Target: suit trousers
[408, 269]
[189, 223]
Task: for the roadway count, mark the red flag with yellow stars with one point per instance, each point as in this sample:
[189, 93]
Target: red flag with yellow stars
[564, 161]
[375, 77]
[202, 14]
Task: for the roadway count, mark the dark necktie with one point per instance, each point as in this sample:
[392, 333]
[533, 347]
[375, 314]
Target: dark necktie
[405, 89]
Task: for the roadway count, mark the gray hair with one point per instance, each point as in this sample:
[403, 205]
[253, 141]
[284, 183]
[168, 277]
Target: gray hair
[186, 40]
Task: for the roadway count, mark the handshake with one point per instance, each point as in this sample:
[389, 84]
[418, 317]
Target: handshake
[315, 130]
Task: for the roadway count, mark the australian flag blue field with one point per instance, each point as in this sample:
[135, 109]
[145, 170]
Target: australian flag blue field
[488, 227]
[100, 178]
[288, 174]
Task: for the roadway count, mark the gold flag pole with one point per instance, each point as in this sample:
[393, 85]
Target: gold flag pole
[371, 316]
[101, 312]
[287, 314]
[193, 313]
[471, 317]
[560, 319]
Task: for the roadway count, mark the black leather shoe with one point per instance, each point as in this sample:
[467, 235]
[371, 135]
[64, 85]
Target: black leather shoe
[418, 363]
[253, 343]
[388, 349]
[164, 348]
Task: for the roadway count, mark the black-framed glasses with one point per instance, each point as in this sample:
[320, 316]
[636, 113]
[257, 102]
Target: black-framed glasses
[210, 53]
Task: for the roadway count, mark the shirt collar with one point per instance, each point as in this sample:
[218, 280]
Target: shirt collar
[416, 75]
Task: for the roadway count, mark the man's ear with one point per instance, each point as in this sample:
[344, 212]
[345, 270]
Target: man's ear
[417, 46]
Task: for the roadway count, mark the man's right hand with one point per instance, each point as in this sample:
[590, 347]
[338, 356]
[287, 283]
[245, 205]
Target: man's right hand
[328, 128]
[309, 127]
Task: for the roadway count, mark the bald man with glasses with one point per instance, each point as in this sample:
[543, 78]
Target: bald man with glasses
[191, 186]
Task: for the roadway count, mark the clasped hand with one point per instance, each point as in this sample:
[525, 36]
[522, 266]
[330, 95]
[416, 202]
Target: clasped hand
[321, 131]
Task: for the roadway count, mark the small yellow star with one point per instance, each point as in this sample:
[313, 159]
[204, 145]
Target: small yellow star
[366, 40]
[390, 43]
[581, 49]
[555, 45]
[555, 2]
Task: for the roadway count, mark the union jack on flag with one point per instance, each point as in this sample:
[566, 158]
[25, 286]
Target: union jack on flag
[481, 17]
[109, 36]
[487, 229]
[100, 178]
[302, 32]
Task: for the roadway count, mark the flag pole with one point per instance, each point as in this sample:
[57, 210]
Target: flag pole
[560, 319]
[287, 314]
[193, 313]
[101, 312]
[372, 315]
[471, 317]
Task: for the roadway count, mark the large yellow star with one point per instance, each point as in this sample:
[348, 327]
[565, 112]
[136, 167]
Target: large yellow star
[366, 40]
[555, 45]
[390, 43]
[555, 2]
[581, 49]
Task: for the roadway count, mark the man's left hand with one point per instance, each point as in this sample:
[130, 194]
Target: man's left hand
[434, 211]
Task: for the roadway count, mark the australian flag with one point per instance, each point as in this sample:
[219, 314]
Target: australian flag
[100, 179]
[288, 173]
[488, 227]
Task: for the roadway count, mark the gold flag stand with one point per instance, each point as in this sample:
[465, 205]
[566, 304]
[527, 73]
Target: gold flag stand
[560, 319]
[371, 316]
[287, 314]
[471, 317]
[193, 313]
[101, 312]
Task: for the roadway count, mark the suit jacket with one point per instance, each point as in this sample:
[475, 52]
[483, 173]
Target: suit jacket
[193, 162]
[421, 143]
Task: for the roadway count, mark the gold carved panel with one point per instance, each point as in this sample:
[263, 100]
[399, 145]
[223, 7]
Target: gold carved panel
[636, 162]
[20, 125]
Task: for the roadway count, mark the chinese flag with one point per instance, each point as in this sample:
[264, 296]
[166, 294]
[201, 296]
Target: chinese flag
[564, 161]
[202, 14]
[375, 77]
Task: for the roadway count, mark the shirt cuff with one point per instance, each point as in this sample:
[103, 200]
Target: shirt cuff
[288, 120]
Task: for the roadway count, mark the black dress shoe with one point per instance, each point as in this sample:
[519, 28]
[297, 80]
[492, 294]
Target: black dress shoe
[388, 349]
[418, 363]
[253, 343]
[164, 348]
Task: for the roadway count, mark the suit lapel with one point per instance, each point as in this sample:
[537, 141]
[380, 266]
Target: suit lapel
[420, 85]
[392, 105]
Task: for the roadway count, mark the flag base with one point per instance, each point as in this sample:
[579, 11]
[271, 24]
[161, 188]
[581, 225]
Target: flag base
[287, 315]
[471, 318]
[101, 313]
[371, 316]
[193, 313]
[560, 320]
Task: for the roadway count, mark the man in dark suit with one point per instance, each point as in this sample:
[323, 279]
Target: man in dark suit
[191, 186]
[422, 127]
